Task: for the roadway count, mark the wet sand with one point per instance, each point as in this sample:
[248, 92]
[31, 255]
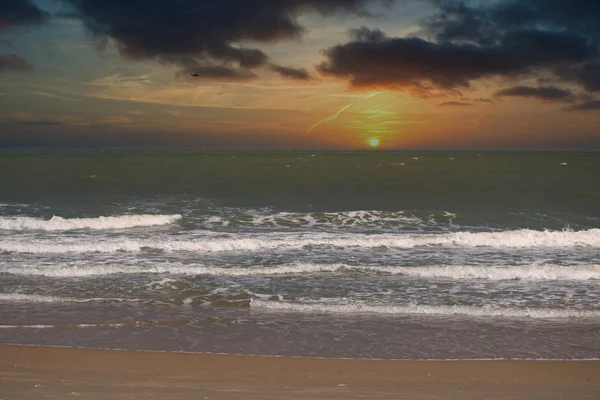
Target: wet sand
[63, 373]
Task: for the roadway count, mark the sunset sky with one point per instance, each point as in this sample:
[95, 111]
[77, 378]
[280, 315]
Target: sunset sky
[300, 74]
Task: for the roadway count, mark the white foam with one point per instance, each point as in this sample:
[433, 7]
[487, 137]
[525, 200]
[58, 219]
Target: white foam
[62, 224]
[38, 326]
[524, 272]
[33, 298]
[67, 271]
[417, 309]
[87, 245]
[162, 268]
[333, 220]
[523, 238]
[496, 273]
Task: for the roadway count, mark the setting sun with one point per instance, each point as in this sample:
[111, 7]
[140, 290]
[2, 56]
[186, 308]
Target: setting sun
[373, 142]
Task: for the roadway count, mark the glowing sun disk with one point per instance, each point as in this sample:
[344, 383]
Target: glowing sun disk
[373, 142]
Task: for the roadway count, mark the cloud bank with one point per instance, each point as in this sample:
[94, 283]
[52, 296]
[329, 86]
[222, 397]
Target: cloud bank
[546, 93]
[503, 39]
[205, 37]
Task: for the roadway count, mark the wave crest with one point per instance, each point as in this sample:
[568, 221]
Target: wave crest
[419, 309]
[333, 220]
[518, 239]
[455, 272]
[64, 224]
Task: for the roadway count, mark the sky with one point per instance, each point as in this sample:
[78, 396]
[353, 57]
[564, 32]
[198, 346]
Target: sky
[300, 74]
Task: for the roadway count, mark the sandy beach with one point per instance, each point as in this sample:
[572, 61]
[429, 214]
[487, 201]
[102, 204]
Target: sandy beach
[59, 373]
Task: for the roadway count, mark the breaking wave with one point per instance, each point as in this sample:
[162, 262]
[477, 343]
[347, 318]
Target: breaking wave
[175, 269]
[332, 220]
[64, 224]
[522, 272]
[496, 273]
[34, 298]
[523, 238]
[417, 309]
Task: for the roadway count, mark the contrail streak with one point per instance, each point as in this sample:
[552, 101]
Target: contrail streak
[334, 116]
[337, 114]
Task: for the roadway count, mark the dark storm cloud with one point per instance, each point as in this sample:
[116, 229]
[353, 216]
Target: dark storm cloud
[207, 31]
[19, 13]
[373, 59]
[587, 106]
[510, 38]
[12, 62]
[546, 93]
[454, 104]
[587, 75]
[292, 73]
[486, 24]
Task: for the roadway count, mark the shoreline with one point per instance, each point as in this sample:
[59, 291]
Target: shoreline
[60, 372]
[304, 357]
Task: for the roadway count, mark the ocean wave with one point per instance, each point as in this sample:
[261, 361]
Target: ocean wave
[499, 273]
[233, 300]
[63, 224]
[328, 306]
[419, 309]
[523, 238]
[130, 245]
[63, 271]
[332, 220]
[456, 272]
[34, 298]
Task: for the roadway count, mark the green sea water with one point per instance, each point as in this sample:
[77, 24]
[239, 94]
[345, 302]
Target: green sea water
[488, 182]
[374, 254]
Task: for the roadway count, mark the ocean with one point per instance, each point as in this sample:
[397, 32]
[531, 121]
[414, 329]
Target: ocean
[378, 254]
